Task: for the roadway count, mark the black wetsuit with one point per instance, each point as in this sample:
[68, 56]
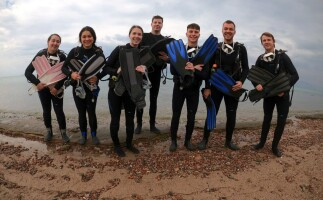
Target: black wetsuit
[89, 103]
[230, 65]
[282, 103]
[46, 98]
[191, 94]
[154, 74]
[117, 102]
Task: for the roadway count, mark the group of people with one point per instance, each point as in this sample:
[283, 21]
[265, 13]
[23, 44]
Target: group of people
[230, 56]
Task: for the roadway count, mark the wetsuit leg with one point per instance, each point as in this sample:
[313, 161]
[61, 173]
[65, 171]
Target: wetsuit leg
[129, 107]
[268, 107]
[115, 104]
[45, 100]
[58, 108]
[231, 105]
[81, 109]
[282, 113]
[192, 101]
[177, 105]
[154, 77]
[91, 109]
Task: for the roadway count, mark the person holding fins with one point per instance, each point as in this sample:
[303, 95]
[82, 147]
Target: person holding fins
[154, 74]
[49, 95]
[85, 88]
[187, 79]
[276, 62]
[231, 57]
[121, 66]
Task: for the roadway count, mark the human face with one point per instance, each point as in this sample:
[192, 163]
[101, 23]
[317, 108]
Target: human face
[192, 36]
[156, 25]
[268, 43]
[135, 37]
[53, 44]
[228, 32]
[87, 40]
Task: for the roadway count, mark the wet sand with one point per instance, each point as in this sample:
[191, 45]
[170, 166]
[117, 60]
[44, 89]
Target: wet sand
[32, 169]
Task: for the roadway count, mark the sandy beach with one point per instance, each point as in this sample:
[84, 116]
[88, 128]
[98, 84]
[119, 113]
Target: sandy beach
[32, 169]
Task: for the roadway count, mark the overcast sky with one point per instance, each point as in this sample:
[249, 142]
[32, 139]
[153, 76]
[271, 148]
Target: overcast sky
[296, 24]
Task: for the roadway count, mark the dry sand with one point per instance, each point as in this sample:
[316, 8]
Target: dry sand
[31, 169]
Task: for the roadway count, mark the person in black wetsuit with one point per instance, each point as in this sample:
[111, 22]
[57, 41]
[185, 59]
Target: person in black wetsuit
[87, 103]
[232, 58]
[154, 74]
[282, 99]
[47, 95]
[116, 102]
[190, 93]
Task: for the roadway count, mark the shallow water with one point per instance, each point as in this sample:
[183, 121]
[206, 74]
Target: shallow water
[14, 98]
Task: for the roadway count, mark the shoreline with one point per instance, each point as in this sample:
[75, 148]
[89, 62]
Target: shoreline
[32, 169]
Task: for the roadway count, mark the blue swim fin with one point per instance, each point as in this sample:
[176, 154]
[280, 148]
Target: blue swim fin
[224, 83]
[211, 112]
[178, 58]
[206, 52]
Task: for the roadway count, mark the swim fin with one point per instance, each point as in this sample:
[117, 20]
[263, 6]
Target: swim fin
[273, 87]
[206, 52]
[178, 58]
[160, 46]
[211, 112]
[129, 60]
[92, 66]
[259, 75]
[224, 83]
[147, 58]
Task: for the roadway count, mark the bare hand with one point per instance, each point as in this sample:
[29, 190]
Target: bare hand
[41, 86]
[259, 88]
[163, 56]
[141, 68]
[237, 86]
[198, 67]
[93, 80]
[189, 66]
[53, 91]
[281, 94]
[75, 76]
[206, 93]
[119, 70]
[214, 65]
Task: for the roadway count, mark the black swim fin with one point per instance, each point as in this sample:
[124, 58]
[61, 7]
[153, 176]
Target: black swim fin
[160, 46]
[129, 60]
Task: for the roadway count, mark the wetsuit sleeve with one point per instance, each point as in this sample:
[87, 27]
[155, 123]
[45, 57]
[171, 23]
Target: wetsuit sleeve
[212, 61]
[258, 64]
[290, 68]
[111, 65]
[29, 73]
[204, 73]
[65, 69]
[244, 64]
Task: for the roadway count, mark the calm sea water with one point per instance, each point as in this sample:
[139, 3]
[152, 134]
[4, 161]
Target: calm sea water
[15, 98]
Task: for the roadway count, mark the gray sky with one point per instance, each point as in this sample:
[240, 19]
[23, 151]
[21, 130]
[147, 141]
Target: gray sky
[296, 24]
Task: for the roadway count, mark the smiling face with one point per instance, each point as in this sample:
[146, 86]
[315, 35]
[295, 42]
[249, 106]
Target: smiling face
[87, 39]
[135, 36]
[156, 26]
[53, 43]
[228, 31]
[193, 36]
[268, 43]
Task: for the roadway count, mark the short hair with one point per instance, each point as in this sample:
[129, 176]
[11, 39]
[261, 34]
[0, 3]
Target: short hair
[135, 26]
[193, 26]
[50, 37]
[229, 22]
[268, 35]
[157, 17]
[91, 30]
